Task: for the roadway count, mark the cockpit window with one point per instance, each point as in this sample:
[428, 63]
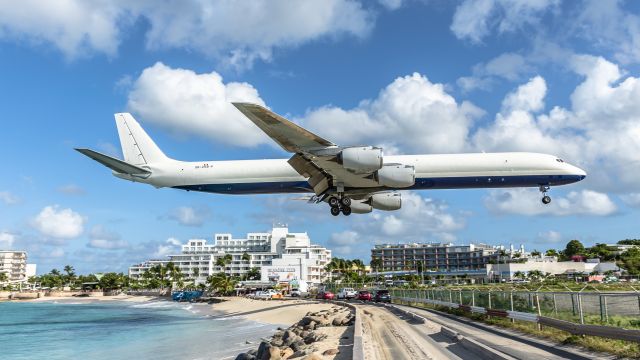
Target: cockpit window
[560, 160]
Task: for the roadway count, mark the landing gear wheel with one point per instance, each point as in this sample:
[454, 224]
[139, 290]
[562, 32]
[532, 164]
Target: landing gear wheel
[346, 211]
[546, 199]
[334, 202]
[346, 201]
[335, 211]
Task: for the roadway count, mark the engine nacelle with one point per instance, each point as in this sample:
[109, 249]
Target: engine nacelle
[359, 207]
[396, 175]
[386, 201]
[365, 159]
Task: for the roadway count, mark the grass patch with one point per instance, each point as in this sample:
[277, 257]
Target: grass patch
[619, 348]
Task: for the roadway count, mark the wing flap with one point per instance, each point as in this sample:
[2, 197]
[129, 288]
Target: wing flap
[114, 164]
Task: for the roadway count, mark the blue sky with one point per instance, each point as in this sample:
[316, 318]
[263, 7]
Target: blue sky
[412, 76]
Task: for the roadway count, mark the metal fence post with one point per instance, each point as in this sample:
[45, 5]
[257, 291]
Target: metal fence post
[601, 308]
[490, 299]
[511, 302]
[606, 310]
[450, 296]
[555, 308]
[539, 310]
[460, 296]
[580, 308]
[473, 298]
[573, 305]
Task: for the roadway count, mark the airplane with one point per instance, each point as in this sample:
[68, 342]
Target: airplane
[351, 179]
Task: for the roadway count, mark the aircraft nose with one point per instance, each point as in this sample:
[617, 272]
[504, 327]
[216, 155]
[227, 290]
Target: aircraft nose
[581, 174]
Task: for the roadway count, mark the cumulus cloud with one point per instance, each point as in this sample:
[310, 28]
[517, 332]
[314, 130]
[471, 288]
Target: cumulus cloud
[411, 113]
[6, 240]
[475, 19]
[169, 247]
[524, 201]
[600, 131]
[391, 4]
[101, 238]
[609, 27]
[59, 223]
[8, 198]
[237, 32]
[190, 216]
[509, 66]
[196, 104]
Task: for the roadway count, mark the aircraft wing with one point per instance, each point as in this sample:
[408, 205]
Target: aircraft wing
[314, 157]
[288, 135]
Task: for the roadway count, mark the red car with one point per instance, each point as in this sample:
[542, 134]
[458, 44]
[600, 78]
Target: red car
[364, 296]
[325, 295]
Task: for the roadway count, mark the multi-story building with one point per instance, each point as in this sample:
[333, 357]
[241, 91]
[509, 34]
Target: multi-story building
[548, 265]
[433, 256]
[268, 252]
[14, 264]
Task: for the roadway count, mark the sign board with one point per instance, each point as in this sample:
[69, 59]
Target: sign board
[280, 273]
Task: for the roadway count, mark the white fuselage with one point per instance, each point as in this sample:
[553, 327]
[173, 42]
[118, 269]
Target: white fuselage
[445, 171]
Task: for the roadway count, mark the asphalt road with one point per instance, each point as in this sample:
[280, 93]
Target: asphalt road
[391, 335]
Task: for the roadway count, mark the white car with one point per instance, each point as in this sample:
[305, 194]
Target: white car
[267, 294]
[347, 293]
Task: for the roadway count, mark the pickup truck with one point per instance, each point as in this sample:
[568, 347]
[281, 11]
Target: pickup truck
[347, 293]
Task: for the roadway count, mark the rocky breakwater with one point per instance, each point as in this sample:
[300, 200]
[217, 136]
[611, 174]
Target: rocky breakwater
[309, 339]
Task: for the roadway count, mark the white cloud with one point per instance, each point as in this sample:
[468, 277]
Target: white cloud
[411, 113]
[195, 104]
[238, 32]
[526, 201]
[609, 27]
[632, 199]
[6, 240]
[391, 4]
[71, 189]
[74, 27]
[56, 253]
[343, 243]
[190, 216]
[475, 19]
[528, 97]
[59, 223]
[8, 198]
[169, 247]
[101, 238]
[507, 66]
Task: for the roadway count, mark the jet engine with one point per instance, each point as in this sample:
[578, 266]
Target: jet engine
[396, 175]
[361, 159]
[386, 201]
[361, 207]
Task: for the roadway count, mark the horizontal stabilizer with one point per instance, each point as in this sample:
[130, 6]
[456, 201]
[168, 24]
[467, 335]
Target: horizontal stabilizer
[115, 164]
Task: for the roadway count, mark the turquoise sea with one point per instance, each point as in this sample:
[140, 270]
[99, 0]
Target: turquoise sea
[122, 330]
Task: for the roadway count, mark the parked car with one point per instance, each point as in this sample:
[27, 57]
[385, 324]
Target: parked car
[268, 295]
[325, 295]
[382, 296]
[295, 293]
[347, 293]
[364, 295]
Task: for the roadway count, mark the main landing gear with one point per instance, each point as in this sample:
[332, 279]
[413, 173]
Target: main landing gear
[546, 199]
[341, 204]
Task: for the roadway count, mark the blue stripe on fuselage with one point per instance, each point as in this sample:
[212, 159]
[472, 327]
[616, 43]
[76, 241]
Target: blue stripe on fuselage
[472, 182]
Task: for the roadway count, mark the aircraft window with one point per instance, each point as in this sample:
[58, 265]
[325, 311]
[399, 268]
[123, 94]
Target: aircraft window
[560, 160]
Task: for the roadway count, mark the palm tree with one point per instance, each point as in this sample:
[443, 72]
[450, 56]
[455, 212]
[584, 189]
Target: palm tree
[376, 264]
[3, 278]
[253, 274]
[70, 274]
[196, 274]
[221, 283]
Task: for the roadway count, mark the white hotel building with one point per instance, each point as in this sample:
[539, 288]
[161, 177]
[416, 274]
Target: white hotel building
[269, 251]
[14, 264]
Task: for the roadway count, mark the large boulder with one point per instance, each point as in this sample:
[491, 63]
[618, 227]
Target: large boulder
[263, 351]
[245, 356]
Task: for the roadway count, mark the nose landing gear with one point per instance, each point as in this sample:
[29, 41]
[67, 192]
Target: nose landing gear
[546, 199]
[338, 205]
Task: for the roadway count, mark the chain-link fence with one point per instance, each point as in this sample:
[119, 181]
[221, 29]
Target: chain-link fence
[615, 309]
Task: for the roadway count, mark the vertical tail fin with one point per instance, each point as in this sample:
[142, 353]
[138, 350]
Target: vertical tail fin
[137, 146]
